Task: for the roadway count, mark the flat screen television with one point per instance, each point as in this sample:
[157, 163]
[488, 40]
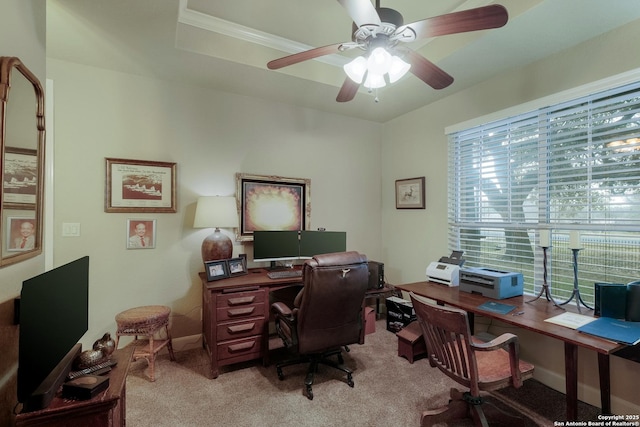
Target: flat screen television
[276, 246]
[54, 315]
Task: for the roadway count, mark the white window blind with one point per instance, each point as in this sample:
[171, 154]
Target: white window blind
[571, 166]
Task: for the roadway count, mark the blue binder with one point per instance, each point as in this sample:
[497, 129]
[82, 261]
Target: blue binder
[613, 329]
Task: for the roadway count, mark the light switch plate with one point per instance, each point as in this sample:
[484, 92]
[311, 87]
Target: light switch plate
[70, 229]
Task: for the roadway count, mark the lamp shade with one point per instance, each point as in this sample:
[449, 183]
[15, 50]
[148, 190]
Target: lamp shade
[216, 212]
[397, 69]
[356, 69]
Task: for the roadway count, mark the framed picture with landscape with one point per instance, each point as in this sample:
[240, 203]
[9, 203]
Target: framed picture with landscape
[20, 181]
[140, 186]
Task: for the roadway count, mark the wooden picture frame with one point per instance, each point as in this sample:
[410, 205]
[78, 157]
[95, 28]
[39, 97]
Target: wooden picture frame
[216, 270]
[410, 193]
[141, 233]
[237, 266]
[140, 186]
[20, 181]
[290, 198]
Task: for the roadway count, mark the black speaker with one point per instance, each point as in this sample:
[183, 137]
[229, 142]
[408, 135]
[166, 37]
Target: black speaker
[376, 275]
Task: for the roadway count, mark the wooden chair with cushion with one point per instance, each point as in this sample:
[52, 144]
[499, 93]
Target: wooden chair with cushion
[477, 365]
[327, 314]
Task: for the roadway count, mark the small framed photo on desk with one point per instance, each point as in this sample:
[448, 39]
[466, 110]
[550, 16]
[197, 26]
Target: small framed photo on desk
[216, 270]
[237, 266]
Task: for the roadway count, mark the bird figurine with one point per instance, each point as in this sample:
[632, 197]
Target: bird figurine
[106, 344]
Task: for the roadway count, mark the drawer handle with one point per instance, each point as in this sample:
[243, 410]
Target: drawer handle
[240, 311]
[242, 300]
[234, 348]
[236, 329]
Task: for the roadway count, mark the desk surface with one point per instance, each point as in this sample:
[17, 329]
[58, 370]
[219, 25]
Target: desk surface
[532, 317]
[255, 277]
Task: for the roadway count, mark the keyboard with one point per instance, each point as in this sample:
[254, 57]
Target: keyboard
[283, 274]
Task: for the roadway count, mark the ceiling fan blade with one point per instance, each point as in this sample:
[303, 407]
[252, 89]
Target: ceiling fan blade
[347, 91]
[427, 71]
[361, 12]
[303, 56]
[480, 18]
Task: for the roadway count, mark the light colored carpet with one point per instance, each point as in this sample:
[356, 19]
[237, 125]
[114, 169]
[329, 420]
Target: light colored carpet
[389, 391]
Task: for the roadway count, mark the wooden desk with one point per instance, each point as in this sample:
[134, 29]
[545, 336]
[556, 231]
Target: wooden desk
[532, 319]
[107, 409]
[235, 318]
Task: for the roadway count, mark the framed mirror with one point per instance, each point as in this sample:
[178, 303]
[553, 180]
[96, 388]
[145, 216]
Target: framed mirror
[21, 161]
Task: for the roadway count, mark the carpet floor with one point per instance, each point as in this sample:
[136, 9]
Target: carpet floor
[389, 391]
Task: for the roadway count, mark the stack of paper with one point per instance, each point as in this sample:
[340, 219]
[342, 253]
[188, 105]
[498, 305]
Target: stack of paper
[570, 320]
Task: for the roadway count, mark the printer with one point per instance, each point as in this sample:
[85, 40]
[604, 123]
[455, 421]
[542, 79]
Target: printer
[491, 283]
[446, 270]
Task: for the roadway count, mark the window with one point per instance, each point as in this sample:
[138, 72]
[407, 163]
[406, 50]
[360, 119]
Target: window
[571, 166]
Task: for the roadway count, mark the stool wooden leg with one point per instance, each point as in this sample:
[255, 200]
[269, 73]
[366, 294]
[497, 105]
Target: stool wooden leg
[169, 344]
[152, 359]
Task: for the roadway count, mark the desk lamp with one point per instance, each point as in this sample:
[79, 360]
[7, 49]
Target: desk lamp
[216, 212]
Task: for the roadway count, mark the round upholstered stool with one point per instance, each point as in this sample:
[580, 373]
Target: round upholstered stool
[146, 322]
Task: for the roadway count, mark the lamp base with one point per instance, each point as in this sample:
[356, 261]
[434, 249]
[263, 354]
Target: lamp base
[216, 246]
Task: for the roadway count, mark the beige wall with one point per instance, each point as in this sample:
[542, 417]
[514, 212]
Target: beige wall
[416, 145]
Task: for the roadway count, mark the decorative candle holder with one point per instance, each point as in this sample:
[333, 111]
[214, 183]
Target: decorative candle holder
[576, 290]
[546, 289]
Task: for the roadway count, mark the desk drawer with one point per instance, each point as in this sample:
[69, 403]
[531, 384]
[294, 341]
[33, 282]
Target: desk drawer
[240, 312]
[241, 329]
[239, 299]
[246, 349]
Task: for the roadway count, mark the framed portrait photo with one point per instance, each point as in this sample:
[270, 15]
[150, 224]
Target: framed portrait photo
[140, 186]
[22, 234]
[410, 193]
[141, 233]
[216, 270]
[237, 266]
[272, 203]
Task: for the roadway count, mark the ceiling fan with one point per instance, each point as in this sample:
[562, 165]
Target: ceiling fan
[380, 32]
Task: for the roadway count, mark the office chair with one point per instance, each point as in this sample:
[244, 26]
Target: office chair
[480, 366]
[327, 314]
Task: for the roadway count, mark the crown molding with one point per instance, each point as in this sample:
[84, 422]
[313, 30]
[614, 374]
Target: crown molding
[206, 22]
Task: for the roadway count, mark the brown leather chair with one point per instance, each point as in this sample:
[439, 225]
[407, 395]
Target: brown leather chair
[327, 314]
[479, 366]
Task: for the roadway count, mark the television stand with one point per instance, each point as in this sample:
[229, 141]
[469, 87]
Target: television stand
[107, 409]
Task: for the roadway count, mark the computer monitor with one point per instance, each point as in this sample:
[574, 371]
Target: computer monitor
[275, 246]
[321, 242]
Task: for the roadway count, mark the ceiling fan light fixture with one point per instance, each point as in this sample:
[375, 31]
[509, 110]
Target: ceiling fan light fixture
[355, 69]
[397, 69]
[379, 61]
[374, 81]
